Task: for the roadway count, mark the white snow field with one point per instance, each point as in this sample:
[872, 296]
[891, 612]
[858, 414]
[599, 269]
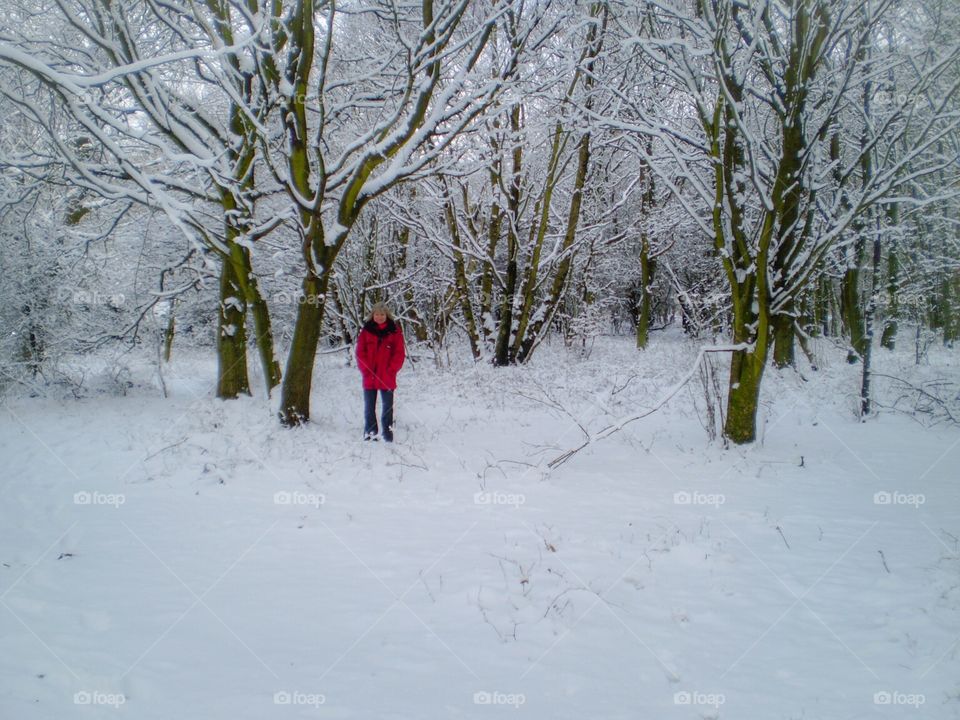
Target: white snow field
[189, 558]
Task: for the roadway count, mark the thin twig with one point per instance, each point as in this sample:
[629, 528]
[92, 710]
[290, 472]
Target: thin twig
[784, 537]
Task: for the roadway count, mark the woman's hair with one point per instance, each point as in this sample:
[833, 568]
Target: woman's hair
[380, 307]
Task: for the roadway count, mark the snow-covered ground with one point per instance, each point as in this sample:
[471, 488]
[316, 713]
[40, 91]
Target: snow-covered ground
[184, 557]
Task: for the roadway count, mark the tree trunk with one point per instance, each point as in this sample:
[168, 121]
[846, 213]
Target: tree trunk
[232, 379]
[746, 373]
[487, 275]
[784, 336]
[950, 317]
[823, 305]
[888, 338]
[262, 327]
[751, 325]
[169, 332]
[32, 348]
[869, 317]
[501, 355]
[460, 276]
[648, 267]
[295, 398]
[851, 308]
[466, 307]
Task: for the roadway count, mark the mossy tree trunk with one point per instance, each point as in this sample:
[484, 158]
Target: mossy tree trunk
[298, 378]
[648, 266]
[232, 379]
[851, 305]
[784, 337]
[745, 270]
[648, 262]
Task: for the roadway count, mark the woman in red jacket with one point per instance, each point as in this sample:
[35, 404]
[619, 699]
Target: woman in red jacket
[380, 355]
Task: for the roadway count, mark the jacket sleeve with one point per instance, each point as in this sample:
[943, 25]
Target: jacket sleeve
[399, 353]
[363, 353]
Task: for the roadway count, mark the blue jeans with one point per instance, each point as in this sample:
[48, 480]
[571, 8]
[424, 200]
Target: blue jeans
[370, 413]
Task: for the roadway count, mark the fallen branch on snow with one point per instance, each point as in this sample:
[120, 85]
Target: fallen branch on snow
[623, 422]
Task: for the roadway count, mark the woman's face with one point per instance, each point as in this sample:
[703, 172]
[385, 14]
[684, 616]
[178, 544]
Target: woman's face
[379, 317]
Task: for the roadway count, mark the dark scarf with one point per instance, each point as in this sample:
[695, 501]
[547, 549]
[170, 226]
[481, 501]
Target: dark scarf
[381, 333]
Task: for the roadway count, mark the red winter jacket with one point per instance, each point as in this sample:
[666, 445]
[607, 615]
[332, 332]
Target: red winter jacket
[380, 355]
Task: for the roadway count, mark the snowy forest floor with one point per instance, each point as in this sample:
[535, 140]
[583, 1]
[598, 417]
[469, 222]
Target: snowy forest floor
[186, 557]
